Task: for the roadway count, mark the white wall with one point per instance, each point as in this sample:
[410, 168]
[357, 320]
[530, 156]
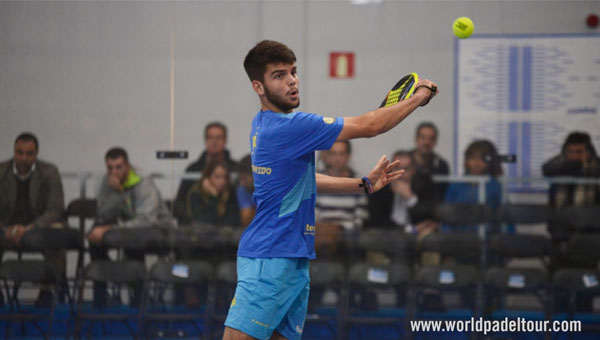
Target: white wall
[85, 76]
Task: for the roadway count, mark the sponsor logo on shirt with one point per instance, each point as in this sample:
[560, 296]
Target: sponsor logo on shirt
[310, 230]
[259, 170]
[328, 120]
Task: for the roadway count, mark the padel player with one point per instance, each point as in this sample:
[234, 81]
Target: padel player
[271, 296]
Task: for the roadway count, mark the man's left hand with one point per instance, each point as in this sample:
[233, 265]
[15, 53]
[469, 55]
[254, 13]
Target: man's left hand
[382, 173]
[96, 235]
[15, 234]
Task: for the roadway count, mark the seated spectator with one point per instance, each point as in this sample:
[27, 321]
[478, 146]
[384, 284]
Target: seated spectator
[426, 161]
[577, 159]
[396, 204]
[211, 203]
[480, 159]
[31, 196]
[245, 191]
[212, 199]
[215, 141]
[338, 213]
[125, 200]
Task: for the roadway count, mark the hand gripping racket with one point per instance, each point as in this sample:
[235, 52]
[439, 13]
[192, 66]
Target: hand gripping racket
[404, 89]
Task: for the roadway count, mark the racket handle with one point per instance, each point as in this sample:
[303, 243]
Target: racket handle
[433, 90]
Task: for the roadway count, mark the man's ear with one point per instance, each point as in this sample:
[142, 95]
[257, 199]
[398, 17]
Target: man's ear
[258, 87]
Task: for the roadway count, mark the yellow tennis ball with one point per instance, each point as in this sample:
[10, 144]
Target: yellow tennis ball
[463, 27]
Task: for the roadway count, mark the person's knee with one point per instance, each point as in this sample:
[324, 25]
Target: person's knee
[234, 334]
[277, 336]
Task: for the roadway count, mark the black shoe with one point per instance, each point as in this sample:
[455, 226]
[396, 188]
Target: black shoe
[45, 299]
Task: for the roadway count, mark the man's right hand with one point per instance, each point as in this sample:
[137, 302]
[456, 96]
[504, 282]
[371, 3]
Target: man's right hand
[96, 234]
[402, 188]
[424, 92]
[115, 183]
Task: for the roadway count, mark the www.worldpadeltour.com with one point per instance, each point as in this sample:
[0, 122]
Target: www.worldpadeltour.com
[480, 325]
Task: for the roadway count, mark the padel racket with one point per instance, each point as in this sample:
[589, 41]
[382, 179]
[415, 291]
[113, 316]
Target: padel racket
[404, 89]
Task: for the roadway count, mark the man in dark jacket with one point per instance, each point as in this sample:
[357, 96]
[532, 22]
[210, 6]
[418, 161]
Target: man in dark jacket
[31, 196]
[405, 201]
[426, 161]
[215, 140]
[578, 158]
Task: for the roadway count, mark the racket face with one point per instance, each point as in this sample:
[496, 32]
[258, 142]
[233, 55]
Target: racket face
[403, 89]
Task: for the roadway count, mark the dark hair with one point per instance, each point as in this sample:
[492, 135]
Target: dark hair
[28, 137]
[215, 124]
[578, 137]
[348, 145]
[402, 153]
[266, 52]
[426, 125]
[487, 151]
[116, 152]
[244, 166]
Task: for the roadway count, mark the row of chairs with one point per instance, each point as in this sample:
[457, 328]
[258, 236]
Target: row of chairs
[23, 274]
[154, 240]
[359, 289]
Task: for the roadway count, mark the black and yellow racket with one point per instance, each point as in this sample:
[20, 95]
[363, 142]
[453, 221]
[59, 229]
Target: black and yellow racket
[404, 89]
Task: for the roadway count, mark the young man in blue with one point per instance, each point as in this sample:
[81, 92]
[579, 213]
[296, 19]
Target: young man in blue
[272, 291]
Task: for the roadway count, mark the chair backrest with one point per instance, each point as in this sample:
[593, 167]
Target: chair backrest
[40, 239]
[195, 237]
[199, 272]
[327, 273]
[145, 239]
[520, 245]
[459, 214]
[447, 277]
[517, 279]
[526, 213]
[82, 208]
[576, 280]
[581, 217]
[35, 271]
[389, 242]
[394, 274]
[227, 272]
[116, 272]
[584, 247]
[460, 245]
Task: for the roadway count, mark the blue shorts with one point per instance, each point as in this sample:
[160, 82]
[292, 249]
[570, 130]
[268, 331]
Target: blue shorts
[271, 295]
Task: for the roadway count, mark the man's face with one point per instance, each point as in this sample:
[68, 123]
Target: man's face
[25, 154]
[117, 167]
[215, 140]
[405, 162]
[426, 140]
[337, 157]
[280, 86]
[577, 152]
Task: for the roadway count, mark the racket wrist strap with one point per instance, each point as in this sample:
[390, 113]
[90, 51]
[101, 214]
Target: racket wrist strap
[366, 184]
[432, 92]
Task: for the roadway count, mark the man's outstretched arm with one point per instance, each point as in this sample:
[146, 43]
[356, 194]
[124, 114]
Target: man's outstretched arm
[383, 119]
[380, 176]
